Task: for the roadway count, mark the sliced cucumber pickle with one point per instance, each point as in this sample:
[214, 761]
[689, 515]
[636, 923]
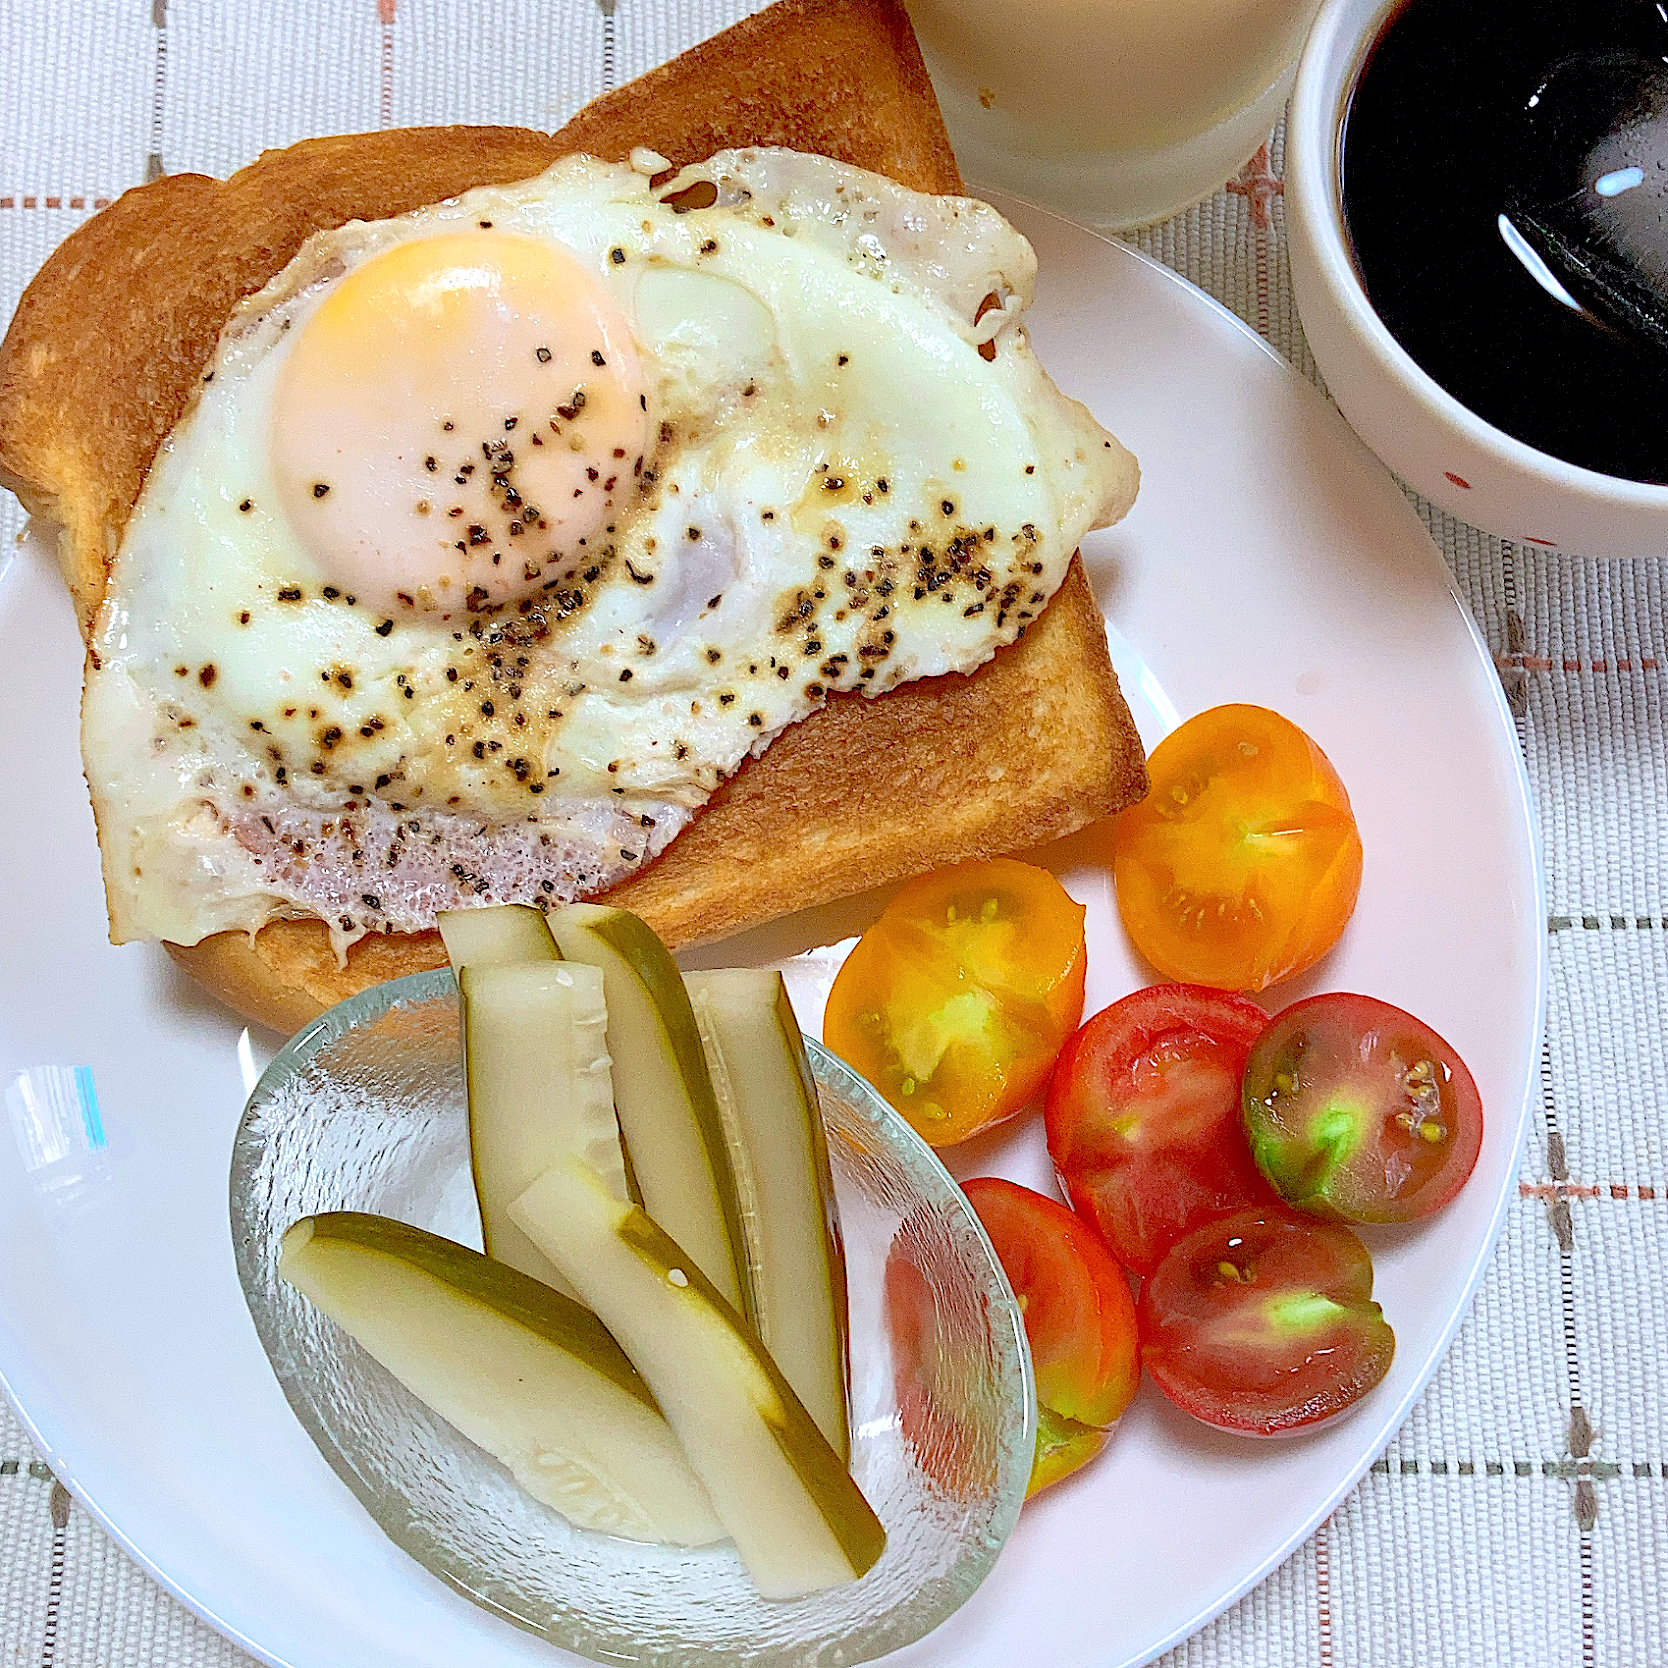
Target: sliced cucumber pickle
[668, 1114]
[495, 933]
[795, 1264]
[799, 1521]
[523, 1372]
[536, 1057]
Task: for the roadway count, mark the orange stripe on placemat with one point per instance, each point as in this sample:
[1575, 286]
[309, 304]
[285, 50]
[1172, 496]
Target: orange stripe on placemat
[385, 11]
[1545, 663]
[1647, 1191]
[79, 201]
[1323, 1594]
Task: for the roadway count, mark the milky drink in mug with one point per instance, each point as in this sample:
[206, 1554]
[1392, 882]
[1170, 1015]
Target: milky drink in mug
[1115, 111]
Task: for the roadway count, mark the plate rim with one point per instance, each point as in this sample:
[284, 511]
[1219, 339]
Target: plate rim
[1524, 819]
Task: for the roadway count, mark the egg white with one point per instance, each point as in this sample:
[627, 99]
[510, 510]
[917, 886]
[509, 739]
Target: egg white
[845, 493]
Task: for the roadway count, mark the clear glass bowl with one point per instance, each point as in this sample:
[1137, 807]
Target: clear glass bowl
[364, 1110]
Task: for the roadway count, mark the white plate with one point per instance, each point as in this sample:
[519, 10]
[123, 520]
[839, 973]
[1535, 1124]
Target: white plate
[1269, 559]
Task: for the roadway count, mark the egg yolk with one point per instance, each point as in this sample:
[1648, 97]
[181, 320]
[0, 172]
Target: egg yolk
[455, 424]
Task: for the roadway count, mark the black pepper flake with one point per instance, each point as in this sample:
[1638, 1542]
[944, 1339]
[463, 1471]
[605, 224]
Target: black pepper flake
[625, 676]
[714, 656]
[451, 674]
[207, 676]
[542, 355]
[320, 488]
[844, 359]
[486, 225]
[386, 627]
[243, 618]
[247, 505]
[756, 719]
[694, 534]
[289, 593]
[617, 256]
[510, 423]
[596, 357]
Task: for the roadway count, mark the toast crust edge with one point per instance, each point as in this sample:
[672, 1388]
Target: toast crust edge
[98, 366]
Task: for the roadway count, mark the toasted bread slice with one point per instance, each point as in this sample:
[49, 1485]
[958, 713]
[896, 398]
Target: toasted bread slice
[109, 340]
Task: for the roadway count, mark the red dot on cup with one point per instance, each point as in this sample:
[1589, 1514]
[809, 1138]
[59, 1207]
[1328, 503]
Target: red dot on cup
[1458, 480]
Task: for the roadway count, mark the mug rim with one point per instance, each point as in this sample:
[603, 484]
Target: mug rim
[1344, 33]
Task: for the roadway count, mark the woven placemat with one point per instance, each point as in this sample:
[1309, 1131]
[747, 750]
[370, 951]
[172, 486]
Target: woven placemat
[1521, 1516]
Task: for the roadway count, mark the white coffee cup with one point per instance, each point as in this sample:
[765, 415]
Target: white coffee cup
[1437, 445]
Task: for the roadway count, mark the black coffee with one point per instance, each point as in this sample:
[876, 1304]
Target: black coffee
[1505, 172]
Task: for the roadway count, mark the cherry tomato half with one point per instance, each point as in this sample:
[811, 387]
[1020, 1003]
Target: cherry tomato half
[1360, 1112]
[1144, 1117]
[1262, 1322]
[956, 1001]
[936, 1364]
[1242, 865]
[1079, 1317]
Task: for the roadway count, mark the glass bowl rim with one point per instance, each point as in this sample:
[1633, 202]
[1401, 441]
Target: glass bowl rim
[376, 1001]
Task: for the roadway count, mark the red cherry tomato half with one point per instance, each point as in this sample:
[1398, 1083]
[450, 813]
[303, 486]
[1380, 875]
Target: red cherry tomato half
[1241, 866]
[956, 1001]
[1262, 1322]
[1360, 1112]
[1079, 1317]
[1144, 1117]
[935, 1371]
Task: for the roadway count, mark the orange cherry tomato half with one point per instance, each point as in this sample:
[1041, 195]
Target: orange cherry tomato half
[1079, 1317]
[1242, 865]
[956, 1001]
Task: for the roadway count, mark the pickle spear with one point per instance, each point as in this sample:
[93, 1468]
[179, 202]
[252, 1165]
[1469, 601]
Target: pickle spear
[520, 1370]
[799, 1521]
[536, 1059]
[495, 933]
[669, 1118]
[768, 1100]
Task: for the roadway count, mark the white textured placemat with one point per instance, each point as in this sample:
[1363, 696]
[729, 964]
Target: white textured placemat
[1521, 1517]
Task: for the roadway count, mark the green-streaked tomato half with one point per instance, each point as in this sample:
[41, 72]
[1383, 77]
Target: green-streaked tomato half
[1360, 1112]
[1079, 1318]
[1262, 1323]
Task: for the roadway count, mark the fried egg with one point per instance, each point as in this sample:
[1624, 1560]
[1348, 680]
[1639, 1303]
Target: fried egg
[499, 534]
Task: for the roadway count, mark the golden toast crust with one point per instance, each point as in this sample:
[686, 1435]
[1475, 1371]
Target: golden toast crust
[110, 339]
